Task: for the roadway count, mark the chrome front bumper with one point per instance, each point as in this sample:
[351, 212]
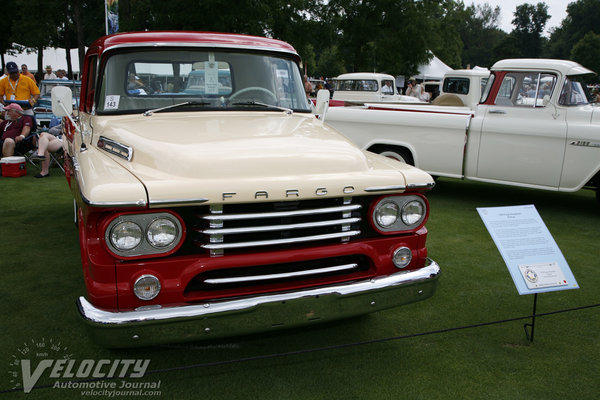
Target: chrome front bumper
[258, 314]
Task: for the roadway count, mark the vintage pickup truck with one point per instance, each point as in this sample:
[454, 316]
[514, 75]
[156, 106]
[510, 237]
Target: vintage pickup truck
[225, 207]
[534, 127]
[368, 87]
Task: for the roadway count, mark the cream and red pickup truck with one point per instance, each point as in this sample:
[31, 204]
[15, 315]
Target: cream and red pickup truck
[534, 127]
[211, 202]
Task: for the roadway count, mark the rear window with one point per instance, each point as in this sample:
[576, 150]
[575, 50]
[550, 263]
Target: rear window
[356, 85]
[456, 85]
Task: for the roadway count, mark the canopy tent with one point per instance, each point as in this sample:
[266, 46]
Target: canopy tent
[434, 70]
[57, 58]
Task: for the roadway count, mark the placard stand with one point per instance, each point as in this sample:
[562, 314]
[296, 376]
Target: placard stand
[529, 251]
[532, 324]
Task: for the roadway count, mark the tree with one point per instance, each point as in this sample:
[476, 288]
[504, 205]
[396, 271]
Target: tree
[330, 63]
[480, 35]
[394, 36]
[587, 51]
[529, 23]
[582, 17]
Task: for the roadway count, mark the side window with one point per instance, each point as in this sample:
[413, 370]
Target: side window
[90, 90]
[526, 89]
[505, 94]
[572, 93]
[387, 87]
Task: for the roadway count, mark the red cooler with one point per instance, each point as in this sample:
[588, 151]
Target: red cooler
[13, 166]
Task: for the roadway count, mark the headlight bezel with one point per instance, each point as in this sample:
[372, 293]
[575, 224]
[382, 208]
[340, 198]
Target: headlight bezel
[145, 248]
[400, 225]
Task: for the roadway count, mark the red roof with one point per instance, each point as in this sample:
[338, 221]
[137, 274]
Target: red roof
[170, 38]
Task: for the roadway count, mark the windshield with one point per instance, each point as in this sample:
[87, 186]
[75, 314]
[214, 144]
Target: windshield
[47, 86]
[206, 80]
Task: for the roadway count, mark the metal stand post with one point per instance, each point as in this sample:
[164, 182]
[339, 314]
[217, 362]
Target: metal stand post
[532, 324]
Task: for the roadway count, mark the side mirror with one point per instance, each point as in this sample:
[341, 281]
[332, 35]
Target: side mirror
[322, 103]
[62, 101]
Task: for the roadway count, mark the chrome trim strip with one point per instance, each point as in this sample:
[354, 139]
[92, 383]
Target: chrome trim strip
[270, 228]
[116, 148]
[280, 241]
[421, 186]
[254, 278]
[177, 202]
[98, 316]
[233, 217]
[198, 45]
[385, 188]
[139, 203]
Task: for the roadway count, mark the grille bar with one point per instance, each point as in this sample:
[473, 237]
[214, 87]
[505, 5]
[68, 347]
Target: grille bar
[271, 228]
[287, 275]
[220, 246]
[280, 214]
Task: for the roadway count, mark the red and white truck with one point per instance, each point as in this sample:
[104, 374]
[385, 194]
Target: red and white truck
[211, 202]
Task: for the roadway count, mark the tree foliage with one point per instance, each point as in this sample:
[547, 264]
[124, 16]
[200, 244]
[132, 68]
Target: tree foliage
[582, 17]
[587, 51]
[332, 36]
[530, 21]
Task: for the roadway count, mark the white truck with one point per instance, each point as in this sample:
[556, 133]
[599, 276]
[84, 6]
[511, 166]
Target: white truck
[534, 127]
[368, 87]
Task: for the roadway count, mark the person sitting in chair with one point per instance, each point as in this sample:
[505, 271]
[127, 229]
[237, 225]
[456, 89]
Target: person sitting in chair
[47, 143]
[15, 131]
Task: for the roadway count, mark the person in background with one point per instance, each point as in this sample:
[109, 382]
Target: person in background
[46, 143]
[308, 88]
[414, 89]
[25, 71]
[15, 129]
[49, 74]
[61, 74]
[17, 87]
[387, 88]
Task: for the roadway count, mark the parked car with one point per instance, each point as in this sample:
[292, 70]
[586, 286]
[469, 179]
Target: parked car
[43, 107]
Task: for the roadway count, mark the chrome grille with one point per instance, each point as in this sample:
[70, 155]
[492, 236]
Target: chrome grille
[277, 224]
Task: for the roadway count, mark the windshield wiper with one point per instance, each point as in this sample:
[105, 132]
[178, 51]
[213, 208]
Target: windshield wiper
[186, 103]
[256, 103]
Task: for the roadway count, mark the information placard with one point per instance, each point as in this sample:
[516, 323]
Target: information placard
[532, 257]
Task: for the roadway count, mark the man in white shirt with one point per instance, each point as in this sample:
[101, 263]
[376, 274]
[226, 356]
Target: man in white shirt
[49, 74]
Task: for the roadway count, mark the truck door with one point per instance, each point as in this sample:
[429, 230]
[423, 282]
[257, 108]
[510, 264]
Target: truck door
[523, 134]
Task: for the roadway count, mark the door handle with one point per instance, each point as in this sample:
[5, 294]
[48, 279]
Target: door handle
[497, 112]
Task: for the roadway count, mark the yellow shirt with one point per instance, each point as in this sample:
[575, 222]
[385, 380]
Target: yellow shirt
[23, 89]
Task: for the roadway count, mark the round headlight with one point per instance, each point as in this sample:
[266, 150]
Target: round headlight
[413, 212]
[126, 235]
[146, 287]
[402, 257]
[161, 232]
[386, 214]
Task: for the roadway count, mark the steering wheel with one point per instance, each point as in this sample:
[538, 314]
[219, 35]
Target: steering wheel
[260, 92]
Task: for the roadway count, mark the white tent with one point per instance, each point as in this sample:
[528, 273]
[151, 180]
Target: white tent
[434, 70]
[57, 58]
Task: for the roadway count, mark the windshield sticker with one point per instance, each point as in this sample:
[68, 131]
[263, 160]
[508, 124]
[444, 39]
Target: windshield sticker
[282, 73]
[112, 102]
[211, 77]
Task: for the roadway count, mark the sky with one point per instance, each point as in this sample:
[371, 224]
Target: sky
[557, 9]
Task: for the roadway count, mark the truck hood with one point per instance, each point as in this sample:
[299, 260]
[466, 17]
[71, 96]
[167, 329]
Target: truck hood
[211, 157]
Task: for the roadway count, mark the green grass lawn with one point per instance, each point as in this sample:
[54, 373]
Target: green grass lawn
[41, 279]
